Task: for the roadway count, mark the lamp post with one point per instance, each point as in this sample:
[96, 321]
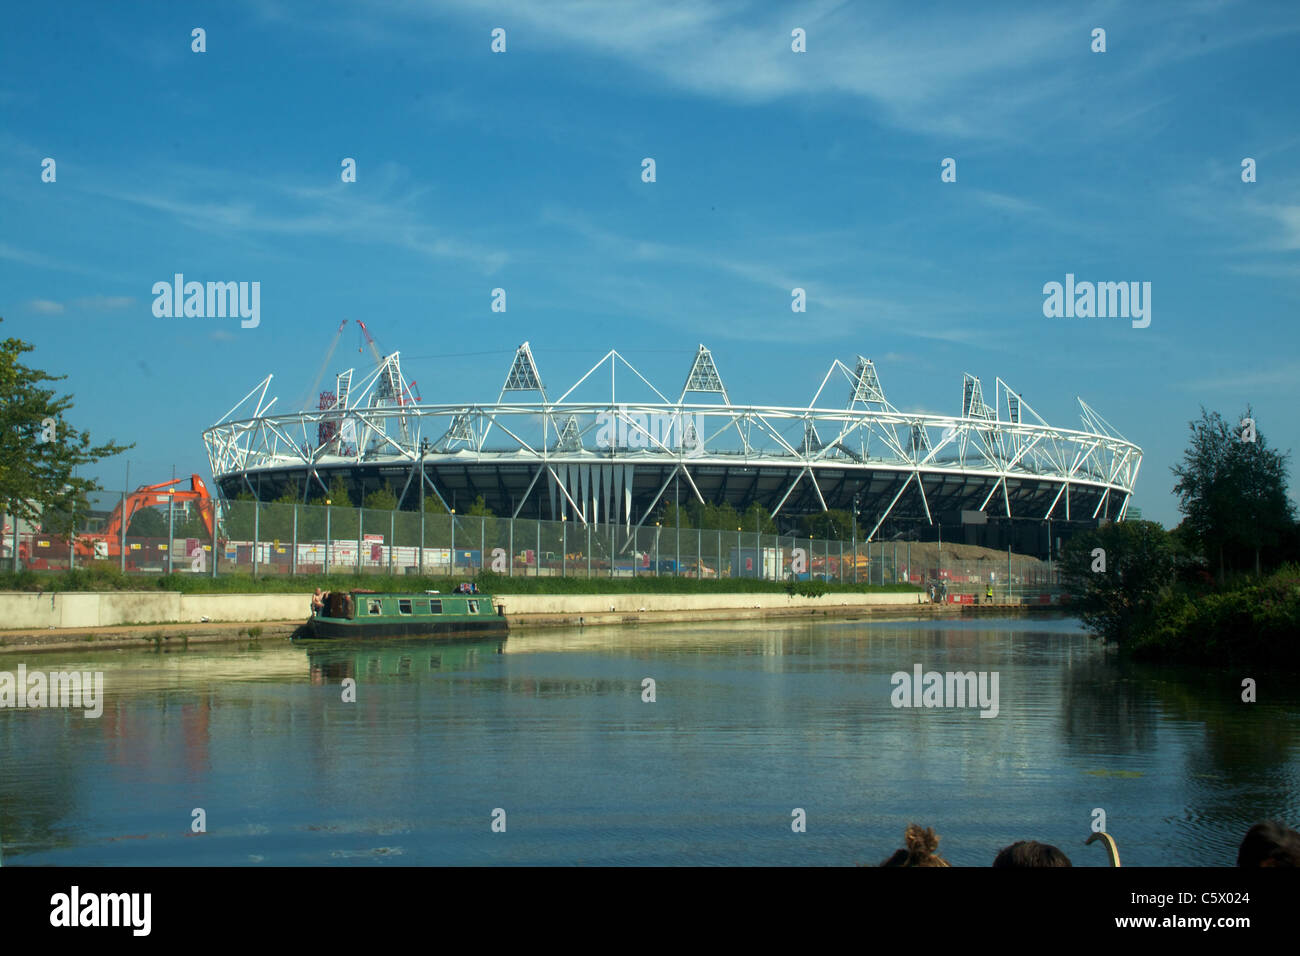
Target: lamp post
[855, 539]
[658, 528]
[327, 536]
[564, 546]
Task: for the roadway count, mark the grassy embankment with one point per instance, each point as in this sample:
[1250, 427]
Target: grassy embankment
[111, 579]
[1249, 619]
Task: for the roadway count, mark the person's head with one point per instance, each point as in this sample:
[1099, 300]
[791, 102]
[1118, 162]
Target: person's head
[1030, 853]
[920, 849]
[1269, 844]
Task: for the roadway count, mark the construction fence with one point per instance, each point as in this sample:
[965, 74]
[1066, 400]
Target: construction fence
[282, 539]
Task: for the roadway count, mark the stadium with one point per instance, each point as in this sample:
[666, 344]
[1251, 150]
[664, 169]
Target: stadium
[613, 449]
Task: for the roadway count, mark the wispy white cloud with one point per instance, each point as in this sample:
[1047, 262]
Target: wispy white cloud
[103, 303]
[45, 307]
[966, 72]
[288, 209]
[1255, 378]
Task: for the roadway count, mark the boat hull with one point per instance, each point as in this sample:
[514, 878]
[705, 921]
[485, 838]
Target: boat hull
[330, 629]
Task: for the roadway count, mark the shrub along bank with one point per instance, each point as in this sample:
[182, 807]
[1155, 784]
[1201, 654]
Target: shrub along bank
[104, 578]
[1248, 620]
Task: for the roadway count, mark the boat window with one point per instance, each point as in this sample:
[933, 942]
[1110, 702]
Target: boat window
[435, 607]
[376, 607]
[403, 605]
[404, 666]
[473, 607]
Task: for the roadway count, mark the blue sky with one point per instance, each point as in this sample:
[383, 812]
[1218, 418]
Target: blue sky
[522, 170]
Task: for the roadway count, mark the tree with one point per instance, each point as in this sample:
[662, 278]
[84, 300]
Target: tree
[39, 449]
[835, 525]
[758, 518]
[148, 523]
[1232, 490]
[382, 499]
[479, 514]
[1115, 575]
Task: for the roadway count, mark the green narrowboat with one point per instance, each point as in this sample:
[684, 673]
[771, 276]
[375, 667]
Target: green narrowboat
[372, 614]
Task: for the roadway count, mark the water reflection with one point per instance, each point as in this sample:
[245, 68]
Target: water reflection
[750, 719]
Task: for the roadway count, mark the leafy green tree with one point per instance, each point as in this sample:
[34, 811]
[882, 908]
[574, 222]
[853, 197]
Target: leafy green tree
[672, 513]
[1233, 492]
[382, 499]
[1116, 574]
[39, 449]
[149, 523]
[834, 525]
[757, 514]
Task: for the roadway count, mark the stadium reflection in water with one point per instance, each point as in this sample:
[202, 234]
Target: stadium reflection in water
[749, 721]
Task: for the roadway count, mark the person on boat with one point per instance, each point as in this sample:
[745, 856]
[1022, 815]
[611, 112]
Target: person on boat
[317, 602]
[988, 595]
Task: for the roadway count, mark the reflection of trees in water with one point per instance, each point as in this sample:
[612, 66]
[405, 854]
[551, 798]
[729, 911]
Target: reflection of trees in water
[1104, 711]
[1245, 761]
[42, 754]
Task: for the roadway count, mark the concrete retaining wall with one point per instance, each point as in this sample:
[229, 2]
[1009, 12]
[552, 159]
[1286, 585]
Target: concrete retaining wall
[20, 610]
[87, 609]
[634, 603]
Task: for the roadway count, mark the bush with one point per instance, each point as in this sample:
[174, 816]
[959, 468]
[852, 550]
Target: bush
[1249, 621]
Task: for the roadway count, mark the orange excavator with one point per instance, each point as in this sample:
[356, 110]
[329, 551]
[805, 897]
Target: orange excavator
[108, 543]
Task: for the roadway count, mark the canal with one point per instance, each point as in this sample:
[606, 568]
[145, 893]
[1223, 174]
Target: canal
[546, 750]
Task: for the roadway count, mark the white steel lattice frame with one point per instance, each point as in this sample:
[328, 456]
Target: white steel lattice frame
[1006, 443]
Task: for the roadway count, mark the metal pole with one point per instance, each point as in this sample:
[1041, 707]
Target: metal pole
[717, 571]
[699, 554]
[537, 555]
[392, 538]
[588, 549]
[421, 550]
[293, 558]
[511, 563]
[171, 530]
[214, 537]
[257, 515]
[121, 543]
[677, 517]
[564, 548]
[326, 565]
[361, 522]
[453, 542]
[482, 541]
[1008, 573]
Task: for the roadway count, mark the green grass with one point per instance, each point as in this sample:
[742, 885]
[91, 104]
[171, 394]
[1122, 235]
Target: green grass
[108, 578]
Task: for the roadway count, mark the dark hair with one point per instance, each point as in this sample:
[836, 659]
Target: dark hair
[1030, 853]
[920, 851]
[1269, 844]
